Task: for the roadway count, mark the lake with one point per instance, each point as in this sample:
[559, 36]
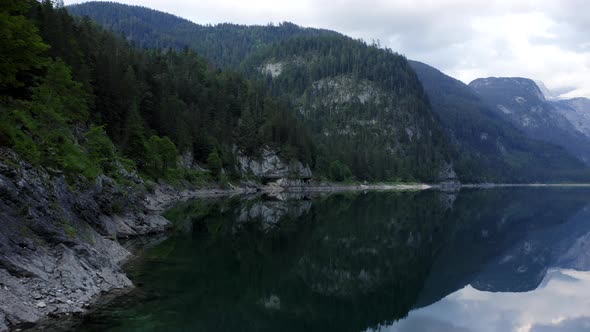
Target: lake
[509, 259]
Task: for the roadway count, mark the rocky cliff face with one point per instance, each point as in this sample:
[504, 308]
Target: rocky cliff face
[271, 166]
[58, 246]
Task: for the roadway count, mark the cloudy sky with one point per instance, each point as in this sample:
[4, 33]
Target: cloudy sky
[547, 40]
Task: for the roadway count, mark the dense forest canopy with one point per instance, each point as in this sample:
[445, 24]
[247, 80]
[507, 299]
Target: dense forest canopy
[226, 44]
[367, 152]
[364, 104]
[76, 78]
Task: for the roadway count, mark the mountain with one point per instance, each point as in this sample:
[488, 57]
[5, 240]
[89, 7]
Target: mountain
[491, 148]
[520, 101]
[226, 45]
[576, 111]
[485, 146]
[365, 107]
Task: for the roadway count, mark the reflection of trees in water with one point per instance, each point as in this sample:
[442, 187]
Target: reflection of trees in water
[342, 262]
[339, 262]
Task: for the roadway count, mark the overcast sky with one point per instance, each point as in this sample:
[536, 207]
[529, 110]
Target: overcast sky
[547, 40]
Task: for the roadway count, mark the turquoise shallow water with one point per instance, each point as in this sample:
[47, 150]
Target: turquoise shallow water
[478, 260]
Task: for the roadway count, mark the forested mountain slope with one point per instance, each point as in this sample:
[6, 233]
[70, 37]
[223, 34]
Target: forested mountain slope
[226, 45]
[520, 101]
[490, 147]
[321, 84]
[152, 104]
[364, 105]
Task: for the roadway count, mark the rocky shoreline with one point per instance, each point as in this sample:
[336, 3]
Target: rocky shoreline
[58, 243]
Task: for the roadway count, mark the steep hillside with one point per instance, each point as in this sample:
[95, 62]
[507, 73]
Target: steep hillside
[365, 123]
[226, 45]
[364, 105]
[577, 111]
[490, 147]
[521, 101]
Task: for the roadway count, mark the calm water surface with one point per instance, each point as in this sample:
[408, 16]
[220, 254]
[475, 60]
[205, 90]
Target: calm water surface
[478, 260]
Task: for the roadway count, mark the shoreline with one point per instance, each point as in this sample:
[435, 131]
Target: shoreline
[165, 196]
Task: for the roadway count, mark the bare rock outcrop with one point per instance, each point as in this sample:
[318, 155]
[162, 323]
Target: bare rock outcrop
[58, 241]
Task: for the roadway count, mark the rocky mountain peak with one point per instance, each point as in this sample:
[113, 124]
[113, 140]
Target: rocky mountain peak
[524, 88]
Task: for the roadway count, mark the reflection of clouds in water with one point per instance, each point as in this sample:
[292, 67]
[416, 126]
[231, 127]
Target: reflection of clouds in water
[561, 304]
[427, 324]
[570, 325]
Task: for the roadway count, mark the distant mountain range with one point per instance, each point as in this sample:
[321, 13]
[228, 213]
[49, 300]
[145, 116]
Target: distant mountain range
[487, 138]
[520, 101]
[498, 129]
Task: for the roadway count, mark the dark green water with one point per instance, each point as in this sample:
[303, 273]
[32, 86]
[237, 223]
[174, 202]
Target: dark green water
[479, 260]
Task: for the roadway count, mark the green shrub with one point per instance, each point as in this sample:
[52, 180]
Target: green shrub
[339, 171]
[100, 148]
[214, 163]
[27, 149]
[75, 161]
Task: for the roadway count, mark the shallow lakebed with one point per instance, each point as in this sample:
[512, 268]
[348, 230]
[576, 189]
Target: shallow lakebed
[503, 259]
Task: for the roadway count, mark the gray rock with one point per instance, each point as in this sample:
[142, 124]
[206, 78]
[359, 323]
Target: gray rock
[447, 173]
[57, 247]
[270, 166]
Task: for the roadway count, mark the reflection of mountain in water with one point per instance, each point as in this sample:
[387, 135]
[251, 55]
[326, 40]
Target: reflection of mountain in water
[511, 239]
[345, 262]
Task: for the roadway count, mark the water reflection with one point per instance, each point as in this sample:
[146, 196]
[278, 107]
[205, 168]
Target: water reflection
[533, 278]
[482, 260]
[561, 303]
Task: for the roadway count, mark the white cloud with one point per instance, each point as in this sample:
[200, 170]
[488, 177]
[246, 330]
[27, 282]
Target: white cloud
[544, 40]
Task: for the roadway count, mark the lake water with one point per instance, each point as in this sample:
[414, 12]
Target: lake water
[477, 260]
